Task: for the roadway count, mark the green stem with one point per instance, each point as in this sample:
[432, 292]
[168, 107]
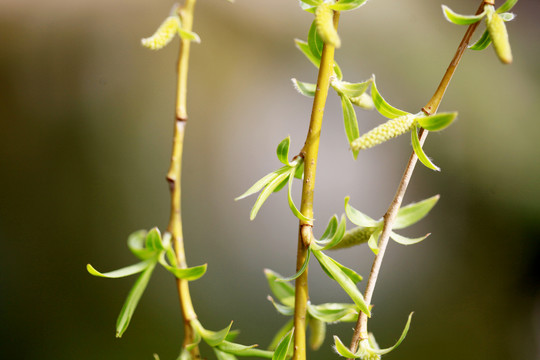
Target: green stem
[174, 177]
[309, 153]
[361, 329]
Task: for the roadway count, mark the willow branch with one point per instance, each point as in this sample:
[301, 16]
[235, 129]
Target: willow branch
[361, 331]
[310, 153]
[174, 176]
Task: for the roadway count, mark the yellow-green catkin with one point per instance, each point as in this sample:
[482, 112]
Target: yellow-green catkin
[364, 101]
[499, 36]
[317, 333]
[164, 34]
[356, 236]
[384, 132]
[324, 20]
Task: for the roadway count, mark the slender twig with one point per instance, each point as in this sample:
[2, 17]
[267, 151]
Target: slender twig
[309, 153]
[361, 331]
[174, 176]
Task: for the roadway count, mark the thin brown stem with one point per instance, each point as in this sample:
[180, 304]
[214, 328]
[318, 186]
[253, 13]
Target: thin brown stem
[310, 153]
[174, 177]
[361, 330]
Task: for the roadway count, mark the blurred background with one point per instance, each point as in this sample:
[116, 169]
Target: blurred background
[86, 117]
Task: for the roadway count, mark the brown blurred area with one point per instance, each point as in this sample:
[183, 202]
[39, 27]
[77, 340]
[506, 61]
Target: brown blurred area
[85, 126]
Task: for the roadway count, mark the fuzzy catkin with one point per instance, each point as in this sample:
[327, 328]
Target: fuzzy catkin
[499, 36]
[384, 132]
[356, 236]
[324, 20]
[317, 333]
[164, 34]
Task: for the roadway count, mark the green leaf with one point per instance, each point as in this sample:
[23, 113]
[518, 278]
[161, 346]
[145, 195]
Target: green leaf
[420, 152]
[507, 16]
[343, 350]
[132, 300]
[359, 218]
[414, 212]
[312, 2]
[343, 280]
[221, 355]
[405, 240]
[331, 229]
[243, 350]
[282, 309]
[304, 48]
[212, 338]
[123, 272]
[269, 189]
[352, 315]
[507, 6]
[315, 42]
[301, 271]
[281, 332]
[401, 338]
[337, 71]
[329, 315]
[350, 121]
[293, 207]
[303, 88]
[282, 290]
[344, 5]
[282, 151]
[461, 19]
[373, 241]
[299, 172]
[136, 245]
[351, 90]
[262, 183]
[196, 339]
[283, 347]
[437, 122]
[338, 235]
[384, 108]
[482, 43]
[190, 274]
[317, 333]
[153, 240]
[189, 35]
[281, 185]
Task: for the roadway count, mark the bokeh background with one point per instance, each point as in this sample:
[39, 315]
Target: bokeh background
[86, 118]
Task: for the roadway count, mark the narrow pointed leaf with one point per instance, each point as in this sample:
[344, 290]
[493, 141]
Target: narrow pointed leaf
[344, 5]
[343, 280]
[482, 43]
[383, 107]
[337, 71]
[189, 35]
[350, 121]
[282, 309]
[373, 241]
[300, 272]
[262, 183]
[351, 90]
[420, 152]
[437, 122]
[283, 347]
[221, 355]
[329, 315]
[299, 172]
[282, 290]
[126, 313]
[269, 189]
[136, 245]
[315, 42]
[282, 151]
[153, 240]
[190, 274]
[461, 19]
[196, 341]
[304, 88]
[123, 272]
[507, 6]
[359, 218]
[293, 207]
[351, 309]
[414, 212]
[304, 48]
[338, 236]
[212, 338]
[403, 240]
[243, 350]
[331, 229]
[343, 350]
[401, 338]
[281, 333]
